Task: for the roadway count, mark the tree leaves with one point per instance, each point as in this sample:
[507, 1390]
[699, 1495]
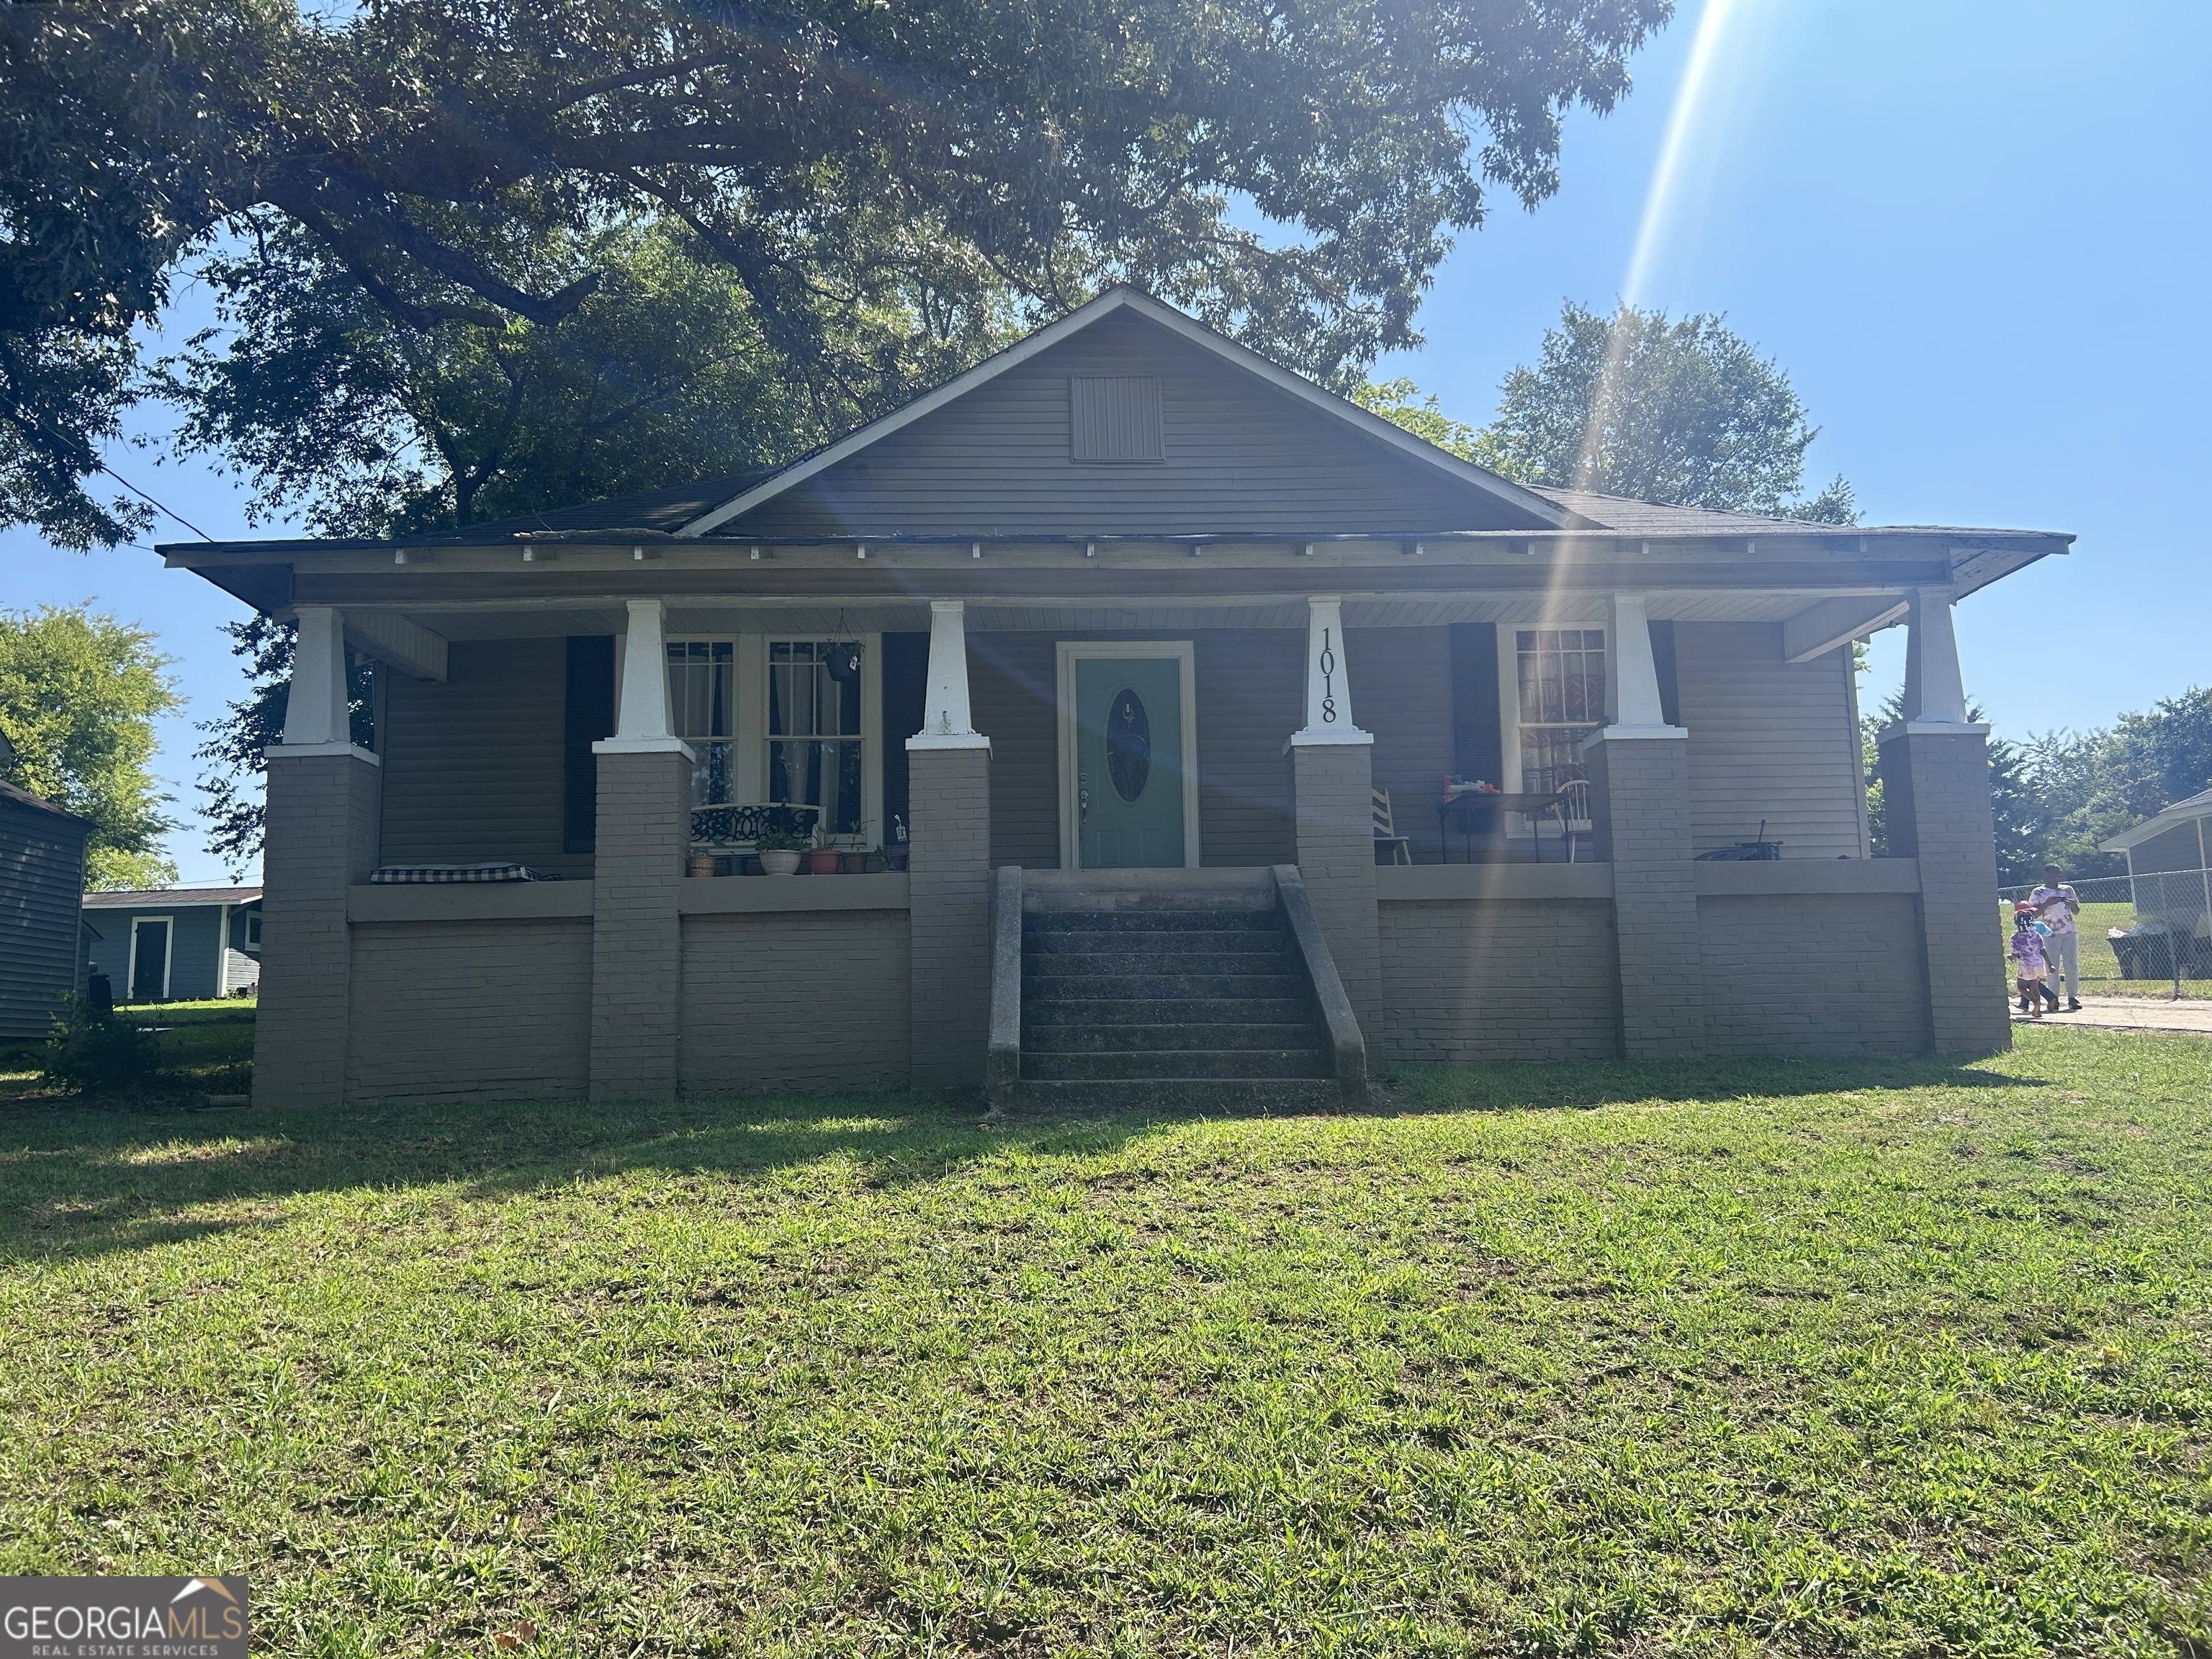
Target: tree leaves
[1638, 405]
[79, 693]
[855, 169]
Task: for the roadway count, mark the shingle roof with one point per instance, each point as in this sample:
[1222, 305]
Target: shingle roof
[1623, 513]
[658, 511]
[165, 898]
[8, 792]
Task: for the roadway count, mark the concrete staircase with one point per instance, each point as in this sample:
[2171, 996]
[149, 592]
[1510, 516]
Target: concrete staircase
[1176, 989]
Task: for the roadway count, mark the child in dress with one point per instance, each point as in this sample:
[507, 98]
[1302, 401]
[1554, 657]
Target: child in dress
[2029, 963]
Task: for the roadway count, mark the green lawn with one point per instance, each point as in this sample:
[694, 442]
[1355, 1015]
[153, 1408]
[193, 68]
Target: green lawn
[1823, 1357]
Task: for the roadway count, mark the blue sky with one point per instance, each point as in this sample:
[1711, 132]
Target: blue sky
[1973, 233]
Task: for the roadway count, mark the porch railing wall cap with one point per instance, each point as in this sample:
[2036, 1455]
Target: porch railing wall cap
[288, 751]
[644, 746]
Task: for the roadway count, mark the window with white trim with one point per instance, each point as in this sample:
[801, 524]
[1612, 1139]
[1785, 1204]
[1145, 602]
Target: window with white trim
[1562, 682]
[702, 710]
[815, 754]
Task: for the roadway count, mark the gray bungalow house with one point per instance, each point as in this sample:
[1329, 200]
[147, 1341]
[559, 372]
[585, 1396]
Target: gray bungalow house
[176, 944]
[1241, 742]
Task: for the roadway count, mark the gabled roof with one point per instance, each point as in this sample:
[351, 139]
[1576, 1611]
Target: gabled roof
[2171, 818]
[17, 797]
[1118, 299]
[170, 898]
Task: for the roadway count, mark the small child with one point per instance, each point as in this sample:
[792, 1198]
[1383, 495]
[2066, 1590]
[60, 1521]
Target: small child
[2029, 963]
[2042, 932]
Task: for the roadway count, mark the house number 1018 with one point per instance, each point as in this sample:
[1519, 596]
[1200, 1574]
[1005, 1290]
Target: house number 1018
[1327, 680]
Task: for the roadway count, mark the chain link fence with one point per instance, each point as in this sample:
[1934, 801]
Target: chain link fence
[2142, 935]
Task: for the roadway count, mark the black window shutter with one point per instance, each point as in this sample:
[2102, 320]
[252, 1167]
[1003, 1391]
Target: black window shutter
[906, 684]
[587, 715]
[1478, 745]
[1662, 659]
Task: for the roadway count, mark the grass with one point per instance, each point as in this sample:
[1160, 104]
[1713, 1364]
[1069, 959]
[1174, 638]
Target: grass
[2101, 969]
[1835, 1356]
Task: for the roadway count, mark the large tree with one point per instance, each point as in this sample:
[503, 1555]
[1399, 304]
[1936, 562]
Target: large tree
[859, 171]
[1680, 410]
[79, 693]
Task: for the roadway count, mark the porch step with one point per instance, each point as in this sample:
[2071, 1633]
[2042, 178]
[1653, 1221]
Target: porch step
[1133, 1009]
[1081, 1039]
[1177, 987]
[1095, 1013]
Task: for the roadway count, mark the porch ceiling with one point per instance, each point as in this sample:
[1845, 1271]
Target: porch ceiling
[802, 615]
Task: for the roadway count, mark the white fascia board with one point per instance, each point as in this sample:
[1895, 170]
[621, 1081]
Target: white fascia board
[1114, 299]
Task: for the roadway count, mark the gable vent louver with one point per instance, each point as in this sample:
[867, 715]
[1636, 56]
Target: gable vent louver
[1115, 418]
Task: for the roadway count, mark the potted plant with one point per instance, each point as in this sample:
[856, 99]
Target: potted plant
[854, 860]
[778, 850]
[822, 860]
[895, 854]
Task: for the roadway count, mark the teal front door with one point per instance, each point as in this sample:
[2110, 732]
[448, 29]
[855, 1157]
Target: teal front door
[1129, 763]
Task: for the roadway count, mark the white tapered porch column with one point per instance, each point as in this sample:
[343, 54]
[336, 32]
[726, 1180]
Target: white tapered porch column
[1934, 690]
[1333, 810]
[317, 705]
[949, 868]
[642, 834]
[1934, 769]
[1639, 771]
[319, 837]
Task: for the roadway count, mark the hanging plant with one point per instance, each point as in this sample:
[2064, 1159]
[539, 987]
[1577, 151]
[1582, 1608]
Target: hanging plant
[843, 662]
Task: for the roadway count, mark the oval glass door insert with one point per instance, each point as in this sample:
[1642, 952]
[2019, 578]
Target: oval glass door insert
[1128, 744]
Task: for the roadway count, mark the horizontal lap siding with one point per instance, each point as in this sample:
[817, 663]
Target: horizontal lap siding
[1402, 691]
[479, 1010]
[1514, 980]
[805, 1000]
[2172, 849]
[1251, 696]
[1769, 739]
[41, 889]
[1813, 973]
[472, 768]
[1239, 454]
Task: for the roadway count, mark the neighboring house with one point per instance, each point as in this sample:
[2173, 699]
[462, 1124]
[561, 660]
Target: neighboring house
[41, 879]
[1135, 632]
[2170, 873]
[176, 944]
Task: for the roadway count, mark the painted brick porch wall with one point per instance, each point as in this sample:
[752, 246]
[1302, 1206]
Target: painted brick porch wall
[1510, 980]
[1813, 973]
[480, 1010]
[1798, 974]
[796, 999]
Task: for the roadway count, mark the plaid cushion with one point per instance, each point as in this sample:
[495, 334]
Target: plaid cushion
[407, 874]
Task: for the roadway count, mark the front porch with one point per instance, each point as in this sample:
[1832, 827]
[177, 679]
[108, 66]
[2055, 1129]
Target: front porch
[629, 977]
